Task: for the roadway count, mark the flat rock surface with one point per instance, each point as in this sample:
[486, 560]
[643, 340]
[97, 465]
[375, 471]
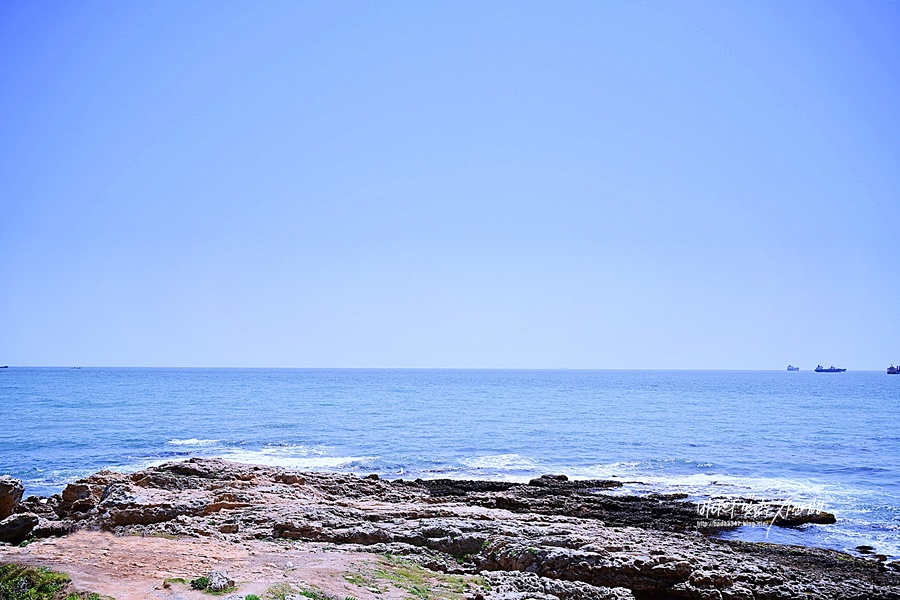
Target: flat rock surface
[126, 567]
[366, 537]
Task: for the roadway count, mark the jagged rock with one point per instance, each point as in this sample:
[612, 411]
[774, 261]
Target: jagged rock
[548, 480]
[456, 487]
[528, 585]
[291, 479]
[229, 528]
[227, 501]
[43, 507]
[85, 494]
[11, 491]
[124, 505]
[219, 581]
[15, 529]
[51, 528]
[81, 497]
[556, 538]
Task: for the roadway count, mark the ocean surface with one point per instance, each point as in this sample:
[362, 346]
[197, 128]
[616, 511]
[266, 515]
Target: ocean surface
[829, 440]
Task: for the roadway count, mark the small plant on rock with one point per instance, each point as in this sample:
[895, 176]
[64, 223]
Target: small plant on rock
[280, 591]
[201, 583]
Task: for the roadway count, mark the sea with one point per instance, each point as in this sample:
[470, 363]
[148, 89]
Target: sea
[826, 440]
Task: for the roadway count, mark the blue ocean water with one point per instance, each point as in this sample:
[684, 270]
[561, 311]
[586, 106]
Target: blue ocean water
[831, 440]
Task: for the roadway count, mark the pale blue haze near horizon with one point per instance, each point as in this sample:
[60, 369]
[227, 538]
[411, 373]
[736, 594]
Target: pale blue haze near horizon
[672, 185]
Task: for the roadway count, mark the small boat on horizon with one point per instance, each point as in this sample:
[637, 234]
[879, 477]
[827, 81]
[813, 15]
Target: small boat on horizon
[831, 369]
[892, 370]
[793, 368]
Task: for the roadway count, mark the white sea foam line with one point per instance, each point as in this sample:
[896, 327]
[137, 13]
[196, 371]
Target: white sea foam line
[192, 442]
[499, 461]
[717, 484]
[280, 457]
[296, 450]
[725, 485]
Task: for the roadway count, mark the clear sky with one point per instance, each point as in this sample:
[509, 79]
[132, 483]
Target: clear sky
[450, 184]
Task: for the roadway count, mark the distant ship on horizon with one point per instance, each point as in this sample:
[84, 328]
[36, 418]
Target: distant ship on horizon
[793, 368]
[831, 369]
[892, 370]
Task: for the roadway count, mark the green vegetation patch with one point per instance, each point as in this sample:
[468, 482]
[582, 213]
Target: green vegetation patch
[228, 590]
[20, 582]
[201, 583]
[417, 581]
[282, 591]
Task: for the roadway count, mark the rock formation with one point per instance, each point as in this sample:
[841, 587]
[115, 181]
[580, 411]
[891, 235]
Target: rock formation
[11, 491]
[549, 539]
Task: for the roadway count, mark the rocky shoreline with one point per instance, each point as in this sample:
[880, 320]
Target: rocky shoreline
[549, 539]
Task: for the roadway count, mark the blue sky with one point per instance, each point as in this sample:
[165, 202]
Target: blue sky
[458, 184]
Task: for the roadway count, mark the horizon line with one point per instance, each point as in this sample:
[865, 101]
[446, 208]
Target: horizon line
[310, 368]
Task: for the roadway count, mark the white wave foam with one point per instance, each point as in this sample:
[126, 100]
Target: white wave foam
[732, 485]
[506, 462]
[637, 478]
[192, 442]
[296, 457]
[640, 477]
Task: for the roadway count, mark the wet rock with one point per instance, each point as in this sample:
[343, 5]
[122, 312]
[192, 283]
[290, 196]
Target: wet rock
[11, 491]
[15, 529]
[545, 480]
[454, 487]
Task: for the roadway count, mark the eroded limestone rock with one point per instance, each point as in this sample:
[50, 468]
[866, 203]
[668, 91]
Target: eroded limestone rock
[15, 529]
[11, 491]
[550, 538]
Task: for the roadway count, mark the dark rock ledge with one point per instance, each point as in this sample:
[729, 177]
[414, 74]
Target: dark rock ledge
[550, 539]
